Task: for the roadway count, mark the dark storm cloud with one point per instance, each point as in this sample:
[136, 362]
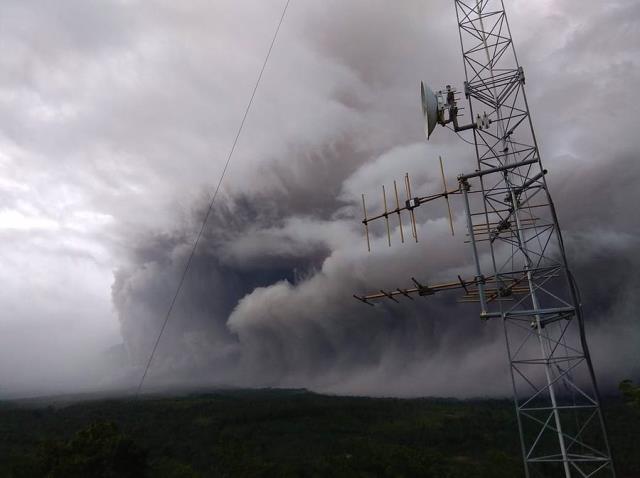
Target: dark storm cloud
[124, 113]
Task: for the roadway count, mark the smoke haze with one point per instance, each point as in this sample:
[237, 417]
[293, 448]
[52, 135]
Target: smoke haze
[117, 121]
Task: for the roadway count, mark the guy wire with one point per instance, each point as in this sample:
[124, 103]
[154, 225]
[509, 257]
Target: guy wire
[211, 204]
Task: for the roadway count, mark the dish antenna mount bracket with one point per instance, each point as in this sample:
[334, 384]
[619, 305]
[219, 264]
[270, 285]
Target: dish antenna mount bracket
[442, 108]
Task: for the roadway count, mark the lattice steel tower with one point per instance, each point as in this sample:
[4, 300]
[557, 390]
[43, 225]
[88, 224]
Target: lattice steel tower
[521, 272]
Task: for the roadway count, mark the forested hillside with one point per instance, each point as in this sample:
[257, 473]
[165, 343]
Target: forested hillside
[277, 433]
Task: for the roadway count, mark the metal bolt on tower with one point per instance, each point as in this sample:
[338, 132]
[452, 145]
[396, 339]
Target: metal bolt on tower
[521, 272]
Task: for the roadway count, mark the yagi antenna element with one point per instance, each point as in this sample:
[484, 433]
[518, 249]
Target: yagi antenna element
[430, 109]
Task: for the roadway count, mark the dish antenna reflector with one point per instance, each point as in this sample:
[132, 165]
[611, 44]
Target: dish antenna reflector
[430, 109]
[435, 105]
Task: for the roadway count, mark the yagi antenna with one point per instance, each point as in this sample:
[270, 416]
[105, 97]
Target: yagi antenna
[411, 202]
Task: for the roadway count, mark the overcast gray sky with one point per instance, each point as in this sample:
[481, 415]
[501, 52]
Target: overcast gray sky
[115, 121]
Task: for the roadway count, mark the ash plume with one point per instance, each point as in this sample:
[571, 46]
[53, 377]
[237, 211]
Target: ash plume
[116, 122]
[269, 303]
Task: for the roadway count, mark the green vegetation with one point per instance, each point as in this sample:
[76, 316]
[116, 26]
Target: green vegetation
[631, 392]
[99, 450]
[278, 433]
